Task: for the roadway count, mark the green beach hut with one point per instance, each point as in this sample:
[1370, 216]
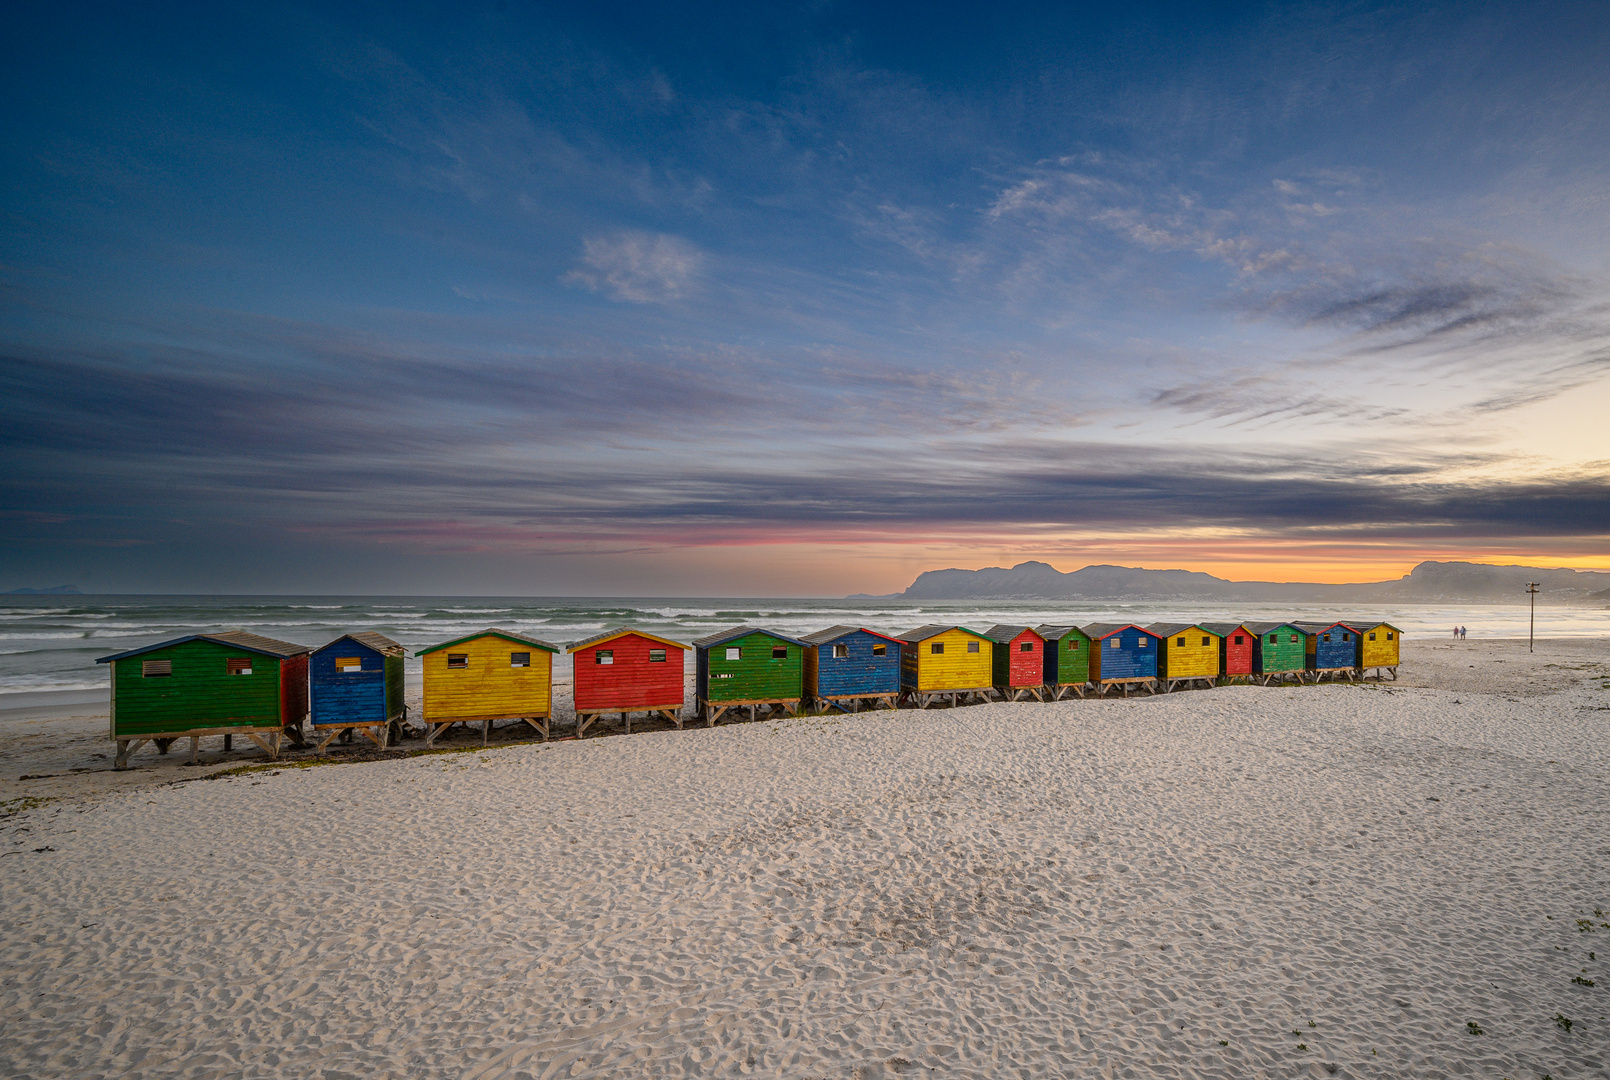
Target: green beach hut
[1067, 660]
[748, 666]
[207, 684]
[1280, 652]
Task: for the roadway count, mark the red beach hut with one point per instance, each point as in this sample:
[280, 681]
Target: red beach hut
[1018, 663]
[1236, 644]
[626, 671]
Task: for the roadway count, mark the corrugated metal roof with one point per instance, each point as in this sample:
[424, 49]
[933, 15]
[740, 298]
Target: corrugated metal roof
[833, 633]
[378, 642]
[720, 637]
[504, 634]
[622, 631]
[239, 639]
[1004, 633]
[923, 633]
[1052, 632]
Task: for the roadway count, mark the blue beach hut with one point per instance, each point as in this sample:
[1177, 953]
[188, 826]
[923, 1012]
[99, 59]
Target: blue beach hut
[1332, 649]
[356, 684]
[1122, 655]
[848, 665]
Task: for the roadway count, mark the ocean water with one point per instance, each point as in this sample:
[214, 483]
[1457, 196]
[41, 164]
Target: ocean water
[51, 643]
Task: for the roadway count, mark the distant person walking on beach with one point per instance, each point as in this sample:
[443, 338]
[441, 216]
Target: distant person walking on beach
[1461, 633]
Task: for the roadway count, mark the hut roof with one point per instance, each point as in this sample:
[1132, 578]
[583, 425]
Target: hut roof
[378, 642]
[504, 634]
[1004, 632]
[236, 639]
[1269, 627]
[621, 631]
[1224, 629]
[1097, 631]
[1056, 632]
[833, 633]
[1371, 624]
[721, 637]
[1321, 627]
[1169, 629]
[932, 630]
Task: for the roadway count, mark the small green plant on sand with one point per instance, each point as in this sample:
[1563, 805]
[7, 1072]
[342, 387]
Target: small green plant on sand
[1564, 1024]
[1224, 1042]
[1302, 1046]
[1580, 981]
[17, 806]
[1473, 1027]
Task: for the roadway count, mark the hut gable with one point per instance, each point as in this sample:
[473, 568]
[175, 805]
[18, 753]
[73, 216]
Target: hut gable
[1067, 654]
[1379, 644]
[750, 664]
[937, 658]
[628, 670]
[1018, 656]
[205, 682]
[1237, 644]
[1190, 651]
[1279, 647]
[492, 675]
[851, 661]
[1331, 646]
[356, 679]
[1122, 652]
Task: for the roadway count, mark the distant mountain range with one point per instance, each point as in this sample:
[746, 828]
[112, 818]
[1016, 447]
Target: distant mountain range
[56, 590]
[1429, 582]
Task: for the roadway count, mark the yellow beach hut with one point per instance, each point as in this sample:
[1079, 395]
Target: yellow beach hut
[939, 661]
[1378, 647]
[1190, 654]
[492, 675]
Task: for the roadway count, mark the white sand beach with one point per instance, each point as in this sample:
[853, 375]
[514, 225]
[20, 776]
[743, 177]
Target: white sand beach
[1317, 881]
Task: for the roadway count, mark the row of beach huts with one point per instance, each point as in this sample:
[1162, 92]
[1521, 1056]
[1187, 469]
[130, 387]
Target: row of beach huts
[237, 683]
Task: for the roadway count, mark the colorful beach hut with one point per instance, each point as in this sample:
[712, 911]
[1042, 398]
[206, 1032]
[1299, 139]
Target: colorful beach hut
[1067, 660]
[485, 677]
[207, 684]
[1279, 652]
[748, 667]
[1122, 655]
[1378, 647]
[1190, 655]
[1332, 649]
[355, 684]
[848, 666]
[626, 671]
[1017, 664]
[940, 661]
[1237, 644]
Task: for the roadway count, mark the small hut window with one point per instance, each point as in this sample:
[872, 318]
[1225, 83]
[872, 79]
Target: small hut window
[1115, 643]
[348, 663]
[779, 652]
[880, 650]
[972, 646]
[1141, 642]
[841, 652]
[656, 656]
[1372, 635]
[735, 654]
[1027, 646]
[1274, 639]
[1238, 640]
[604, 656]
[1205, 640]
[237, 666]
[458, 659]
[1181, 643]
[1346, 637]
[156, 669]
[936, 648]
[1327, 637]
[1294, 639]
[1389, 635]
[519, 659]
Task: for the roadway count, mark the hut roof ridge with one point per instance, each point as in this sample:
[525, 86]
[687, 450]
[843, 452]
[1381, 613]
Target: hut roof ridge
[622, 631]
[376, 641]
[1223, 628]
[1102, 630]
[931, 630]
[832, 633]
[1058, 631]
[1005, 632]
[239, 639]
[732, 633]
[506, 635]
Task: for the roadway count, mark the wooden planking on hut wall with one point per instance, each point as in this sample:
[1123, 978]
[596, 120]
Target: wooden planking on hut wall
[633, 681]
[859, 673]
[348, 697]
[1198, 658]
[955, 668]
[489, 685]
[200, 692]
[756, 675]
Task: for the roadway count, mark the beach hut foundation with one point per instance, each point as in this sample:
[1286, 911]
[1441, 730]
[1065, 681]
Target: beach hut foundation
[983, 694]
[852, 703]
[269, 741]
[715, 710]
[379, 734]
[585, 720]
[1149, 685]
[1059, 691]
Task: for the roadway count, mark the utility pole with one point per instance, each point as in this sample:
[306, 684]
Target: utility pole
[1531, 633]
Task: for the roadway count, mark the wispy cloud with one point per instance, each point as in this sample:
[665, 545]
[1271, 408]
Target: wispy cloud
[639, 268]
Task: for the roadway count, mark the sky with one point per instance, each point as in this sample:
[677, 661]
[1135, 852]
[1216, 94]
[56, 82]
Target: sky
[510, 298]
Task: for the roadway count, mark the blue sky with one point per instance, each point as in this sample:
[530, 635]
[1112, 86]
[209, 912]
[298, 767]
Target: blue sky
[521, 298]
